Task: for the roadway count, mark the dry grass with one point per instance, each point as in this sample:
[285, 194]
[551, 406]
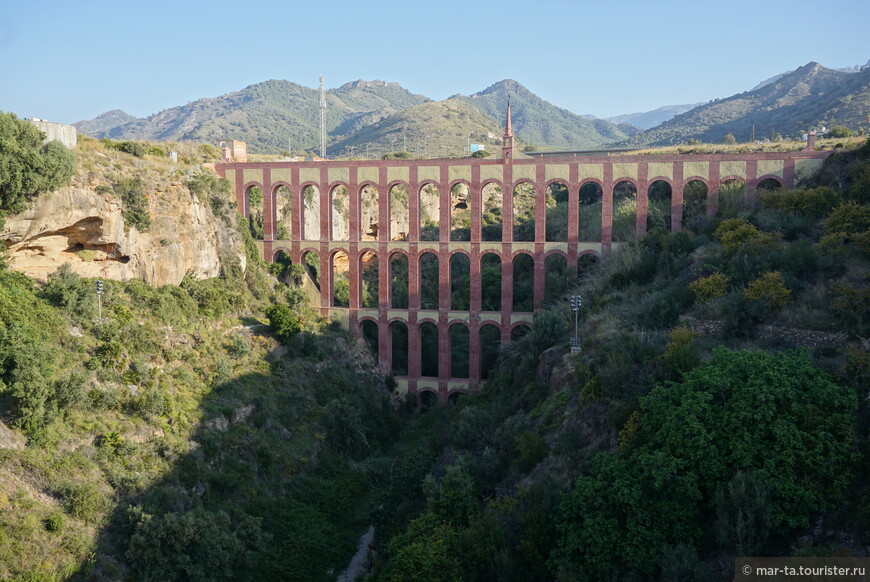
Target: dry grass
[746, 148]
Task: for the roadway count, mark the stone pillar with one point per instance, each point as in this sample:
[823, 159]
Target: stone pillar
[713, 189]
[268, 206]
[507, 283]
[413, 278]
[475, 282]
[607, 208]
[474, 348]
[677, 199]
[385, 344]
[414, 355]
[354, 275]
[443, 347]
[642, 210]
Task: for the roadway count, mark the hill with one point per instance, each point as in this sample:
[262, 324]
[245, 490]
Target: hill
[539, 122]
[808, 97]
[650, 119]
[269, 116]
[433, 129]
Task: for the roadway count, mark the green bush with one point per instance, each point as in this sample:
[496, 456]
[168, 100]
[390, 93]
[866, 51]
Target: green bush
[54, 523]
[284, 322]
[83, 501]
[710, 287]
[769, 287]
[813, 202]
[134, 202]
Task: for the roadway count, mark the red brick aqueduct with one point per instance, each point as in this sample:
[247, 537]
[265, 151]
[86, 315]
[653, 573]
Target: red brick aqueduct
[371, 233]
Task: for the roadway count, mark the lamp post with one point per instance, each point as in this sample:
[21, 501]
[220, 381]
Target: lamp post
[575, 306]
[99, 301]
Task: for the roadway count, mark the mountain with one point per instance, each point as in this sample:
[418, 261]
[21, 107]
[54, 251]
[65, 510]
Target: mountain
[436, 128]
[266, 115]
[807, 97]
[854, 69]
[539, 122]
[650, 119]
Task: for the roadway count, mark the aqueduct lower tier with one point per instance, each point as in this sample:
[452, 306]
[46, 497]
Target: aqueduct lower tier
[472, 221]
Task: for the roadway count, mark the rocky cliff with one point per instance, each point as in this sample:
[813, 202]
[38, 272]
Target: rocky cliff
[82, 224]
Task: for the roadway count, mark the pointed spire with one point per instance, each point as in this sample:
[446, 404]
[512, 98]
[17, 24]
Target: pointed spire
[507, 143]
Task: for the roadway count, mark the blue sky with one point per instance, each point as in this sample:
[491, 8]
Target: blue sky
[67, 60]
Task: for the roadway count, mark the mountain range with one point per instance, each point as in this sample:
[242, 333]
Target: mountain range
[375, 117]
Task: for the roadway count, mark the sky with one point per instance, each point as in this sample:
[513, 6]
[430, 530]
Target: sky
[70, 60]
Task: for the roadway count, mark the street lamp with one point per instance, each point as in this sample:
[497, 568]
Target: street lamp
[575, 306]
[99, 301]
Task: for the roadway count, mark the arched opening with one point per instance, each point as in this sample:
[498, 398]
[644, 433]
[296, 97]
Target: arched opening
[586, 263]
[453, 398]
[399, 281]
[557, 212]
[283, 213]
[399, 223]
[369, 332]
[492, 198]
[694, 205]
[460, 212]
[458, 351]
[732, 198]
[340, 280]
[519, 332]
[590, 212]
[429, 349]
[490, 282]
[658, 214]
[311, 262]
[524, 282]
[368, 268]
[399, 340]
[624, 212]
[280, 267]
[429, 284]
[369, 213]
[524, 212]
[769, 185]
[490, 343]
[310, 213]
[430, 212]
[254, 196]
[460, 276]
[340, 213]
[556, 282]
[428, 400]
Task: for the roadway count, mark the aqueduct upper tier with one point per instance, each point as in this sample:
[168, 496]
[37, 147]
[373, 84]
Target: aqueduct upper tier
[463, 251]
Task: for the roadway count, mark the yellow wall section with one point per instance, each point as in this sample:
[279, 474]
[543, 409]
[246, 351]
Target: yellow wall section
[492, 173]
[459, 173]
[658, 169]
[397, 174]
[338, 175]
[803, 168]
[770, 167]
[524, 172]
[590, 171]
[556, 171]
[459, 246]
[231, 176]
[281, 175]
[367, 175]
[309, 175]
[425, 173]
[699, 169]
[732, 169]
[252, 175]
[624, 170]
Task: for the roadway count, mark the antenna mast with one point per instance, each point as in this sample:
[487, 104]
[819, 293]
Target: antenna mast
[322, 120]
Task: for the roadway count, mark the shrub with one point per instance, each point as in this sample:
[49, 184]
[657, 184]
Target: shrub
[769, 287]
[531, 449]
[134, 203]
[814, 202]
[680, 355]
[848, 223]
[54, 522]
[737, 234]
[83, 501]
[284, 322]
[710, 287]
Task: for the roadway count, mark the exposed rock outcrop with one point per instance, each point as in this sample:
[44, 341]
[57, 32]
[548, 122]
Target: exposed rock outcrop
[83, 225]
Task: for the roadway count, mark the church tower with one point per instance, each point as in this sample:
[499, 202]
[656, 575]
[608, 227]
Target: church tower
[507, 144]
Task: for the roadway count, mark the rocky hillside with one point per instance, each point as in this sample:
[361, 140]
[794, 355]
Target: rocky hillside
[87, 223]
[269, 116]
[539, 122]
[808, 97]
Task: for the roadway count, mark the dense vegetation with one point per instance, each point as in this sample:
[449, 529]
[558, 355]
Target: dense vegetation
[185, 439]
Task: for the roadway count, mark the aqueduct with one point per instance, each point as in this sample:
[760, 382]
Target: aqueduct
[428, 259]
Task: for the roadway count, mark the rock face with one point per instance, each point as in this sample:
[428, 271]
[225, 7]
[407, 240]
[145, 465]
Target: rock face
[82, 224]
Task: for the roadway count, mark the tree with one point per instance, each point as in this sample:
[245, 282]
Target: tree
[840, 131]
[27, 166]
[729, 139]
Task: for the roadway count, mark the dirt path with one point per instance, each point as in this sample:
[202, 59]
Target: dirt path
[359, 563]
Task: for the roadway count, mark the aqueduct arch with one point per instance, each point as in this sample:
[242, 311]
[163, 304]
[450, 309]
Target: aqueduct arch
[385, 209]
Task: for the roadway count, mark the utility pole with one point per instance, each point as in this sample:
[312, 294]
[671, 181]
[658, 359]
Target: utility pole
[575, 306]
[322, 120]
